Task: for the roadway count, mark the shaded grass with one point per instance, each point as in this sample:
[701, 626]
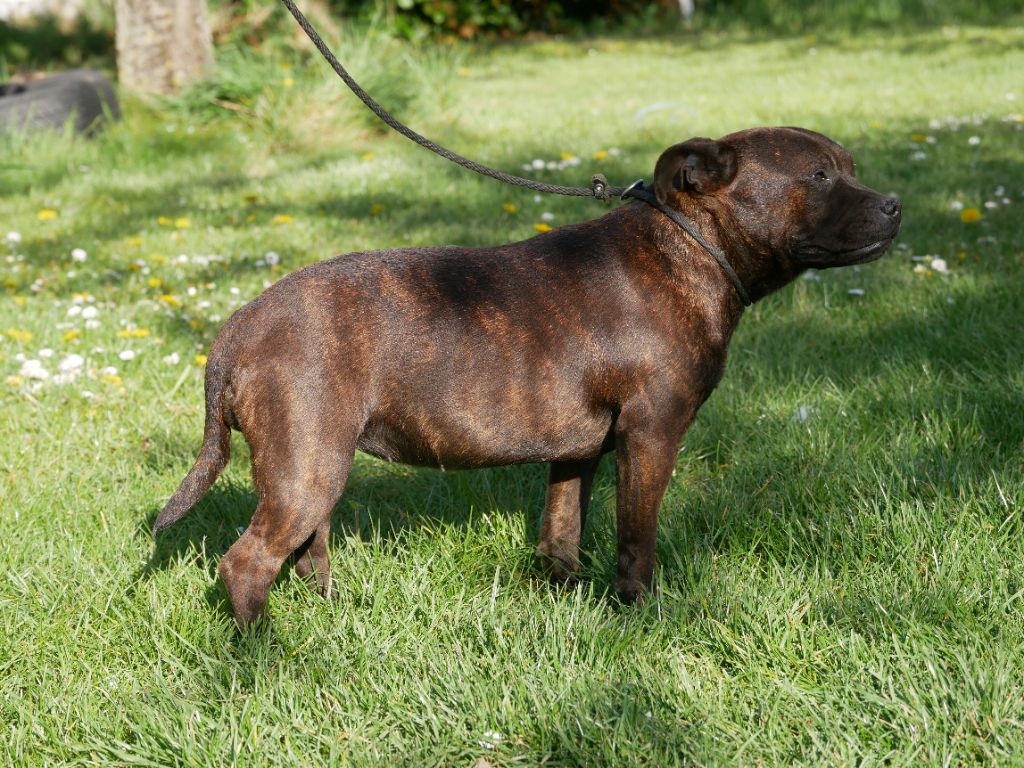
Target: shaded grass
[840, 552]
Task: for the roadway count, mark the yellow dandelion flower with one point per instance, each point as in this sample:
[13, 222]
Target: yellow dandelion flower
[19, 335]
[464, 71]
[510, 207]
[377, 209]
[80, 296]
[283, 218]
[73, 334]
[542, 227]
[165, 221]
[135, 241]
[14, 381]
[157, 258]
[133, 333]
[47, 214]
[567, 156]
[111, 378]
[875, 124]
[367, 157]
[918, 137]
[20, 300]
[182, 223]
[201, 360]
[154, 282]
[252, 197]
[170, 300]
[288, 82]
[601, 154]
[970, 215]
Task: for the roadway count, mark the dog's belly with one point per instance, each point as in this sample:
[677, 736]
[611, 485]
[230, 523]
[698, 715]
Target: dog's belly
[452, 436]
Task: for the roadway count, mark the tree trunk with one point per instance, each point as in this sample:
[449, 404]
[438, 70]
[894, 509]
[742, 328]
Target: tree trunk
[162, 45]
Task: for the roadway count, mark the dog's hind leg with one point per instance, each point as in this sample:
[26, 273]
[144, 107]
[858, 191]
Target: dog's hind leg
[312, 561]
[565, 514]
[297, 494]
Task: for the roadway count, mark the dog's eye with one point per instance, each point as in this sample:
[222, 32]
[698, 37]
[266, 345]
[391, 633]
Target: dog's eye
[819, 176]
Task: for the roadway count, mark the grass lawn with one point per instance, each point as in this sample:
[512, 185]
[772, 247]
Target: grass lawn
[841, 552]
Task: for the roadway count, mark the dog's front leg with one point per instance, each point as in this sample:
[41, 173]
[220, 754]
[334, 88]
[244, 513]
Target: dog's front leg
[565, 515]
[645, 453]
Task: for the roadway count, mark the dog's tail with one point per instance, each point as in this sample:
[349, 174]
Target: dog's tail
[213, 456]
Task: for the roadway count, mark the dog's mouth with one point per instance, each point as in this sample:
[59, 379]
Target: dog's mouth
[867, 253]
[821, 257]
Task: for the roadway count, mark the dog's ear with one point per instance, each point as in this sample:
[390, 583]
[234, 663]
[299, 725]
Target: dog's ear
[700, 165]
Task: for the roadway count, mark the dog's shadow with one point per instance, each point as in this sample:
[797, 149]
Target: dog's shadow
[380, 501]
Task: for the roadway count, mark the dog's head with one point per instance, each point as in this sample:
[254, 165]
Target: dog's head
[786, 191]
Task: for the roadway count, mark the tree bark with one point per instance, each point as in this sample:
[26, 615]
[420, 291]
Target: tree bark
[162, 45]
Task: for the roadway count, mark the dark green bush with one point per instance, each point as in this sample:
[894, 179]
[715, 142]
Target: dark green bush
[467, 18]
[807, 15]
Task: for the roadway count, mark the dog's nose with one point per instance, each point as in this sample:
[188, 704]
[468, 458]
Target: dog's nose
[891, 206]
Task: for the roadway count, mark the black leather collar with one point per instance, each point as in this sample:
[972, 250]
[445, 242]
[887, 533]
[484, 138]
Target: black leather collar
[640, 192]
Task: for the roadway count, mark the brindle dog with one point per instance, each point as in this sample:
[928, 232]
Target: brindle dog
[599, 336]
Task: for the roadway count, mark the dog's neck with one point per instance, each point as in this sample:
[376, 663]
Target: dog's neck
[759, 267]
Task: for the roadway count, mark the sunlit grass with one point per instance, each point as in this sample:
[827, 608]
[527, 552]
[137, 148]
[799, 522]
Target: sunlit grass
[841, 551]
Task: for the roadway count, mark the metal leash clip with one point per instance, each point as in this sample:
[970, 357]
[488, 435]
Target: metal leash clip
[639, 183]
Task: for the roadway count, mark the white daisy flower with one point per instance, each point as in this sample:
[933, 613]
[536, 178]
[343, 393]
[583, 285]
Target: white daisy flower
[79, 255]
[490, 739]
[72, 363]
[126, 354]
[33, 369]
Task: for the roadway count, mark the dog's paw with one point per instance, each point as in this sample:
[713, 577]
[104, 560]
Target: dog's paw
[631, 591]
[560, 566]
